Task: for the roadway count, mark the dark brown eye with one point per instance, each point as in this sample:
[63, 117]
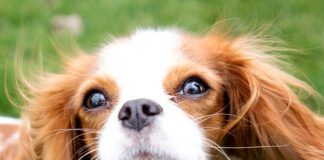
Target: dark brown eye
[194, 87]
[95, 99]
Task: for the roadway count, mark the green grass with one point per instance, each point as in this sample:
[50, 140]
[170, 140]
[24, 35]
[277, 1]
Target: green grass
[300, 22]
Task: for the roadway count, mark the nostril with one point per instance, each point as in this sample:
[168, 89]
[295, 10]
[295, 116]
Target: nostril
[125, 113]
[146, 109]
[151, 109]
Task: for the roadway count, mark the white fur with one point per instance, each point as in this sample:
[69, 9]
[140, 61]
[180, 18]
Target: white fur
[139, 65]
[9, 120]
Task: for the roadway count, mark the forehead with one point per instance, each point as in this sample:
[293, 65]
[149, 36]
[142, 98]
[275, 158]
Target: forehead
[140, 63]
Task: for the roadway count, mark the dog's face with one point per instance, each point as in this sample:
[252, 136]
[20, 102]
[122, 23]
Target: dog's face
[171, 95]
[150, 99]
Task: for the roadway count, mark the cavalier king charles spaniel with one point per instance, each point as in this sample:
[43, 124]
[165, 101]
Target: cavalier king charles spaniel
[170, 95]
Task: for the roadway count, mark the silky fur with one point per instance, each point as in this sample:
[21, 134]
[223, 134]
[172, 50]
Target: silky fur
[263, 109]
[252, 104]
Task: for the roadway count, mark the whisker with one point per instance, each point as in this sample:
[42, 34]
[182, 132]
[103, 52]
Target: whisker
[59, 131]
[95, 157]
[71, 140]
[211, 144]
[217, 129]
[255, 147]
[89, 152]
[80, 150]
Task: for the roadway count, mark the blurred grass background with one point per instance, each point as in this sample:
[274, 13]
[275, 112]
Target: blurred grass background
[299, 22]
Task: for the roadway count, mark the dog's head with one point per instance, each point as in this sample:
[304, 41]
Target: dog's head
[171, 95]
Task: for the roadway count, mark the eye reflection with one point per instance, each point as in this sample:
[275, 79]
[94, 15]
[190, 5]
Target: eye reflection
[95, 99]
[194, 87]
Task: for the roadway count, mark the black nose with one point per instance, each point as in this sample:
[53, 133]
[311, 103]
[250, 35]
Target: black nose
[139, 113]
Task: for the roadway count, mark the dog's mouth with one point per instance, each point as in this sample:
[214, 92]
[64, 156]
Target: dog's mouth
[149, 155]
[145, 149]
[144, 155]
[142, 146]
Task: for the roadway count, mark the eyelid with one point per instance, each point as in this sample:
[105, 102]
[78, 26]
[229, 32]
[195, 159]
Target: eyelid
[95, 90]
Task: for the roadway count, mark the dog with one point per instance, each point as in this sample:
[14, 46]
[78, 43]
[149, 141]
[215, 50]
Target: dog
[171, 95]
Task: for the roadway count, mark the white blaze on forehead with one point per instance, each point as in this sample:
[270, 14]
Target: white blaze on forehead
[140, 63]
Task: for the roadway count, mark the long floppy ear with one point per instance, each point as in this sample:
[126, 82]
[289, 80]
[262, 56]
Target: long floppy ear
[50, 120]
[53, 120]
[267, 119]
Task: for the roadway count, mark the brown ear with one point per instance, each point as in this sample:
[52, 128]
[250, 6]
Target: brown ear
[266, 117]
[52, 115]
[51, 121]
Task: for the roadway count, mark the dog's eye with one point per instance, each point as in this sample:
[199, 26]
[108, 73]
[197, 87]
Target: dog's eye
[95, 99]
[194, 87]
